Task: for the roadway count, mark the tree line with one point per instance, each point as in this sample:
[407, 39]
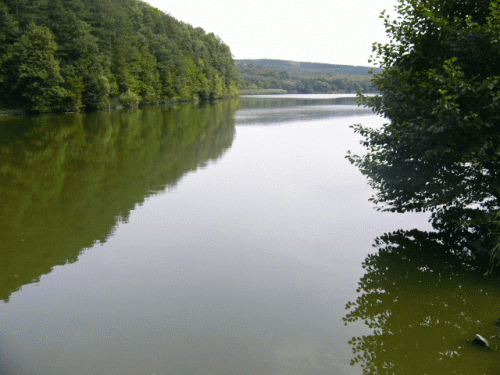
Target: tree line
[304, 78]
[67, 55]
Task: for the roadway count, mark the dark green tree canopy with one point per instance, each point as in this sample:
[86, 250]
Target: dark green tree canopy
[73, 54]
[440, 89]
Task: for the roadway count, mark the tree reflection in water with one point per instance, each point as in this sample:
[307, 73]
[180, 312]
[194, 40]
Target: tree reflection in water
[425, 303]
[68, 180]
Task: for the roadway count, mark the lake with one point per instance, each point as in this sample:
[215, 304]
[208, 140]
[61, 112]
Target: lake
[222, 238]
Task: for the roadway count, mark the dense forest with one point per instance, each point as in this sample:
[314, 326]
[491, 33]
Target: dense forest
[66, 55]
[302, 77]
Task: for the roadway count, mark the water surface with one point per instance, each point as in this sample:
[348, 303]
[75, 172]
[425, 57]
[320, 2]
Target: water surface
[214, 239]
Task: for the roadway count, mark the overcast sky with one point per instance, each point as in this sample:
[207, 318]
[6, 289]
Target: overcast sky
[326, 31]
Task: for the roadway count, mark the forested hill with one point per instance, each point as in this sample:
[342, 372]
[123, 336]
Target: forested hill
[76, 54]
[309, 66]
[304, 77]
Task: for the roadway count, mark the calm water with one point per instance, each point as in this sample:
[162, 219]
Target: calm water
[218, 239]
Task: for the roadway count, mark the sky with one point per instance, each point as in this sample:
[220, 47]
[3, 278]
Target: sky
[323, 31]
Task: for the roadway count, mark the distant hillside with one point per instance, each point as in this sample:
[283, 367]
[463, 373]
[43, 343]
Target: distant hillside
[303, 77]
[295, 65]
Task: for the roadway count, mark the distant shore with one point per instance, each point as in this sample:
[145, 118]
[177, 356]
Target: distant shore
[281, 92]
[262, 91]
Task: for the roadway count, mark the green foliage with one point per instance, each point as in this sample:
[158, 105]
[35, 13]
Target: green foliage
[9, 28]
[70, 54]
[96, 92]
[302, 77]
[129, 99]
[440, 89]
[36, 79]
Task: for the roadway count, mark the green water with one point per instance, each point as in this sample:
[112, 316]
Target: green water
[224, 238]
[67, 180]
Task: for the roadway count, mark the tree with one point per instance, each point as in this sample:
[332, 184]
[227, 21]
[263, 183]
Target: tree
[35, 71]
[440, 89]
